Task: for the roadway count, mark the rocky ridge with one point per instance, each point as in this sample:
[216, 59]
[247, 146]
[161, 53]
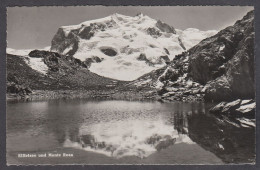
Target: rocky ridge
[49, 75]
[62, 72]
[218, 69]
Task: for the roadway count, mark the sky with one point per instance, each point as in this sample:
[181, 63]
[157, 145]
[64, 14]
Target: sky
[34, 27]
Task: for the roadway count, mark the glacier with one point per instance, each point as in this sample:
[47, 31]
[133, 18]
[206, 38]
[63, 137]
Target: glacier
[128, 38]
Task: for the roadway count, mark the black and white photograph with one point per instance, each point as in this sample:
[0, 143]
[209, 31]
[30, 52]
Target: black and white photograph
[130, 85]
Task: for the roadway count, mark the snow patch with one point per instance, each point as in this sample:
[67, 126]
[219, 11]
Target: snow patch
[221, 47]
[247, 107]
[23, 52]
[68, 49]
[192, 36]
[221, 146]
[245, 101]
[37, 64]
[159, 84]
[247, 122]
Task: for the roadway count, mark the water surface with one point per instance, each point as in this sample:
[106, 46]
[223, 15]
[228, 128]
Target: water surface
[124, 132]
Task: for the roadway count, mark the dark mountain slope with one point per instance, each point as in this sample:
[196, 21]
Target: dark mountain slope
[64, 72]
[219, 68]
[21, 76]
[225, 62]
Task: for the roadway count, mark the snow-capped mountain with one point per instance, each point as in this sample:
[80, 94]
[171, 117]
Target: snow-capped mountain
[124, 47]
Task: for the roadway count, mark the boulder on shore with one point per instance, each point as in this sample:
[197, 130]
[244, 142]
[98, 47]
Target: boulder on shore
[237, 108]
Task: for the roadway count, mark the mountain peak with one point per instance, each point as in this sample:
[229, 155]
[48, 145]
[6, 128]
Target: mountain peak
[125, 46]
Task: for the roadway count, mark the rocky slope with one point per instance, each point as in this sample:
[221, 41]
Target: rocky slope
[124, 47]
[219, 68]
[49, 75]
[43, 70]
[227, 65]
[237, 108]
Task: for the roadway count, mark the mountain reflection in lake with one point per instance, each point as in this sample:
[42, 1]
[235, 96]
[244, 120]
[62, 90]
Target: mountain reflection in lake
[121, 129]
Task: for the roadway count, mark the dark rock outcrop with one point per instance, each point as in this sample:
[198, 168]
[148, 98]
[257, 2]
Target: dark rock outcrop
[164, 58]
[159, 27]
[93, 59]
[218, 90]
[87, 33]
[61, 41]
[109, 51]
[142, 57]
[154, 32]
[167, 51]
[70, 40]
[225, 62]
[42, 54]
[181, 43]
[165, 27]
[237, 108]
[160, 60]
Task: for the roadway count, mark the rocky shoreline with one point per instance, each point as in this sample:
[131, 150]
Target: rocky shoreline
[237, 108]
[82, 94]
